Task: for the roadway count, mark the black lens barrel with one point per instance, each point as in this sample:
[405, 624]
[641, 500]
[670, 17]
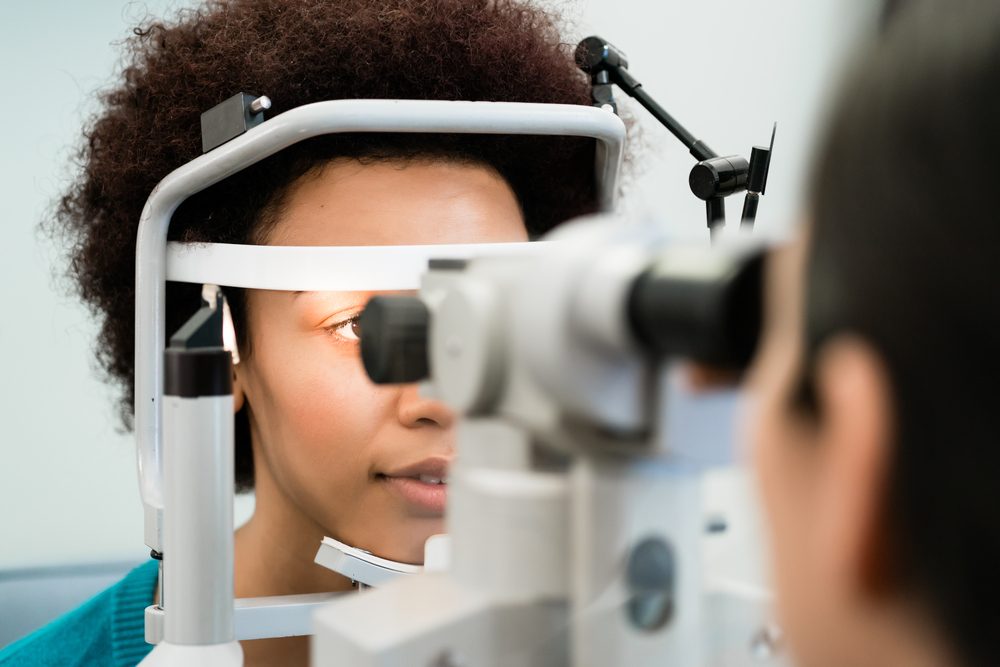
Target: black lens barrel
[708, 317]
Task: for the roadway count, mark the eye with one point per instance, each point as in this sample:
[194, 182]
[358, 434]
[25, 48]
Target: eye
[349, 329]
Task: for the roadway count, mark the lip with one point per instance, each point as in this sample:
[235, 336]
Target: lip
[435, 466]
[428, 498]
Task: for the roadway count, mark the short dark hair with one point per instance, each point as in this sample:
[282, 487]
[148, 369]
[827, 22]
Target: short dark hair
[297, 52]
[905, 252]
[890, 8]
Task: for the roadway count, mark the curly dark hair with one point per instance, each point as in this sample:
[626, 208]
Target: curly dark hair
[297, 52]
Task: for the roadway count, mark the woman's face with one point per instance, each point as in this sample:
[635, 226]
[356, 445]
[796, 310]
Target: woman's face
[335, 454]
[783, 457]
[821, 477]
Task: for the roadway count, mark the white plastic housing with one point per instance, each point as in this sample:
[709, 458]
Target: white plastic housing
[198, 526]
[171, 655]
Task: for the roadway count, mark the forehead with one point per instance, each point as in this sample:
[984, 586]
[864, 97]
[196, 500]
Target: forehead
[348, 202]
[785, 285]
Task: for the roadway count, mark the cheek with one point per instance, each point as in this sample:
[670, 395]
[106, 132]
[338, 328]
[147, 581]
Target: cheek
[318, 411]
[329, 402]
[766, 441]
[782, 466]
[764, 431]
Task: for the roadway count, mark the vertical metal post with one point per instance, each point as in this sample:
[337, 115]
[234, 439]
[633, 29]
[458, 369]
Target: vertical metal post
[198, 519]
[620, 507]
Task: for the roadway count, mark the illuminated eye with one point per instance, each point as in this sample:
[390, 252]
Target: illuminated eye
[348, 329]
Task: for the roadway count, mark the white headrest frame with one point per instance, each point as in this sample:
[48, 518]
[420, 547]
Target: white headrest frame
[271, 136]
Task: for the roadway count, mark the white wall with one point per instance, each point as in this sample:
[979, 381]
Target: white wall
[727, 70]
[68, 492]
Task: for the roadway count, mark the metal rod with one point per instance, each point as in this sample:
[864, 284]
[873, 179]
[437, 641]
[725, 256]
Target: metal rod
[698, 148]
[715, 212]
[749, 211]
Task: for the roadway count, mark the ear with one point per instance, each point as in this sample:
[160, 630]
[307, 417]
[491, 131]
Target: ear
[239, 397]
[856, 450]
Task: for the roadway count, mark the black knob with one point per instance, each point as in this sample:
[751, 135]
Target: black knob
[718, 177]
[394, 337]
[594, 54]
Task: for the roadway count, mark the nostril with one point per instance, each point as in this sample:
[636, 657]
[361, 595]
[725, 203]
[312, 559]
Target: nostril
[415, 411]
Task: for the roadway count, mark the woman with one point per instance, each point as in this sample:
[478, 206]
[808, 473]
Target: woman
[326, 452]
[876, 430]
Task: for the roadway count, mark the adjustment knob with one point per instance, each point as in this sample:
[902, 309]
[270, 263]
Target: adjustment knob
[718, 177]
[594, 54]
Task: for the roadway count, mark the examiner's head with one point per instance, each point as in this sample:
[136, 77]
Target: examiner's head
[877, 435]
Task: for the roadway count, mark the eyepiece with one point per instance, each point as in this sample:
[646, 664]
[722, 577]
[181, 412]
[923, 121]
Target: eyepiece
[394, 339]
[708, 316]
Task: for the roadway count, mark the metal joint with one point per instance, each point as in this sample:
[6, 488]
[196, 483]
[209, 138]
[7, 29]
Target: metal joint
[231, 118]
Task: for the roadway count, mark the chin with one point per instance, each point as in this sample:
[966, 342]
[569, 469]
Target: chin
[406, 543]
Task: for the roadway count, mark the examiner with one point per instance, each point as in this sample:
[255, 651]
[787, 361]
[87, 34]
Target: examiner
[876, 429]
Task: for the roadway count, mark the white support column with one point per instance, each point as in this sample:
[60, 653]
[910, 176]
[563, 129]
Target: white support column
[198, 520]
[618, 504]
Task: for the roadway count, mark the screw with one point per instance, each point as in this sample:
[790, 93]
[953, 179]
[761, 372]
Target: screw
[766, 643]
[262, 103]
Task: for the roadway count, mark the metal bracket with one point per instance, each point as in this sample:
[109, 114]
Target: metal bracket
[228, 120]
[258, 618]
[360, 566]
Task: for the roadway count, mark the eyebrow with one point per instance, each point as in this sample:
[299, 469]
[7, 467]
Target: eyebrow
[297, 293]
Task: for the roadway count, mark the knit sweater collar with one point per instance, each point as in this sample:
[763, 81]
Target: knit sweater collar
[128, 615]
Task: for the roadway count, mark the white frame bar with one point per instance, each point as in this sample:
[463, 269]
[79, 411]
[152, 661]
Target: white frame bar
[311, 120]
[321, 268]
[259, 618]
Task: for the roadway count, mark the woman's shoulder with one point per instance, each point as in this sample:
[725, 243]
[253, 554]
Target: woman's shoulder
[108, 629]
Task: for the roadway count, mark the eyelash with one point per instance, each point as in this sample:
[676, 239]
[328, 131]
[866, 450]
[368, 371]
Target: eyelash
[334, 328]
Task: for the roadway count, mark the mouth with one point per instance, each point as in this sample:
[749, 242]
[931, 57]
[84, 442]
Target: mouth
[423, 486]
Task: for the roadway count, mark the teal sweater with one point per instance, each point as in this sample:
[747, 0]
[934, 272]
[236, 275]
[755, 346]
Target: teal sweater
[108, 629]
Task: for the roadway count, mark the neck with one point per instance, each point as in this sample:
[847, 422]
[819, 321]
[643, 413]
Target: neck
[274, 556]
[276, 547]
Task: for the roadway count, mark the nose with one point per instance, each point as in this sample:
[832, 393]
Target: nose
[415, 410]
